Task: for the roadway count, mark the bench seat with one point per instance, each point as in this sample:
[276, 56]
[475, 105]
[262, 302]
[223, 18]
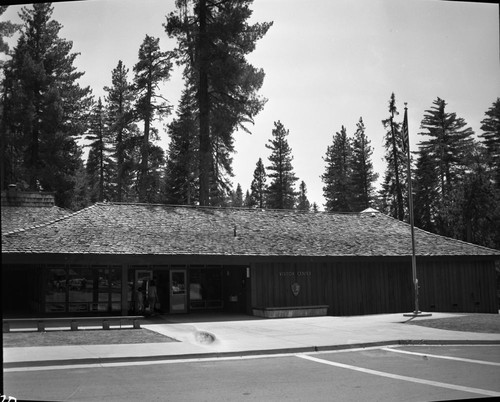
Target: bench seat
[73, 323]
[290, 311]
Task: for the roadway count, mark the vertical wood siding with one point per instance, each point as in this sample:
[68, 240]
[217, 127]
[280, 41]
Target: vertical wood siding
[362, 287]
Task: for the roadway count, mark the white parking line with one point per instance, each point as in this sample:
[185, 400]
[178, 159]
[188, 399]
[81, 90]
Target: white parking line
[167, 361]
[461, 359]
[401, 377]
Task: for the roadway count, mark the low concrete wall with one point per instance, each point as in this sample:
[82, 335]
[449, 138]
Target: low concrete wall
[289, 312]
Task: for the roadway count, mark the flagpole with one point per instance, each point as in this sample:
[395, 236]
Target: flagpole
[406, 146]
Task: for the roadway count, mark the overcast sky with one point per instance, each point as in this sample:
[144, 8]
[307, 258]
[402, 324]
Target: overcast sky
[327, 63]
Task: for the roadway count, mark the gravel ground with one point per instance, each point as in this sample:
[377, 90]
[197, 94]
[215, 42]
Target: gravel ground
[83, 337]
[485, 323]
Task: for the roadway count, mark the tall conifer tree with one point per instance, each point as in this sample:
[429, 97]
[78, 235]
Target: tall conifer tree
[471, 211]
[153, 67]
[258, 187]
[362, 175]
[426, 199]
[490, 126]
[182, 162]
[237, 197]
[394, 187]
[281, 190]
[303, 203]
[337, 176]
[448, 144]
[43, 107]
[120, 96]
[99, 165]
[214, 39]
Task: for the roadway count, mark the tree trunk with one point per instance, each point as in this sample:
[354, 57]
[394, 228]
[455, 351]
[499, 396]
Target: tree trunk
[119, 153]
[145, 149]
[144, 162]
[204, 108]
[101, 169]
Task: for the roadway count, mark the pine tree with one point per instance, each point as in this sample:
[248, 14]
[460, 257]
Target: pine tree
[154, 184]
[394, 187]
[99, 142]
[258, 187]
[448, 145]
[337, 176]
[247, 202]
[44, 107]
[471, 211]
[182, 162]
[237, 197]
[426, 199]
[490, 126]
[303, 203]
[213, 41]
[362, 174]
[281, 191]
[221, 171]
[119, 100]
[92, 176]
[153, 67]
[81, 198]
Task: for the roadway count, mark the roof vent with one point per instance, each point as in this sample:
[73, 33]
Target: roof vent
[373, 212]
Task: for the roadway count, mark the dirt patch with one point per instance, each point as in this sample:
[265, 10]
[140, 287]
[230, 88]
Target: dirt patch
[484, 323]
[83, 337]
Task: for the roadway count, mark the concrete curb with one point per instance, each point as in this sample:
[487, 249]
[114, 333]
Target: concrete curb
[212, 355]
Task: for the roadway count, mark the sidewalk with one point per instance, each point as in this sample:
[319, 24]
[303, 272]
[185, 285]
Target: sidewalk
[216, 336]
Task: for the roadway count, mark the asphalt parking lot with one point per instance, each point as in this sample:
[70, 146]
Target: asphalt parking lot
[393, 373]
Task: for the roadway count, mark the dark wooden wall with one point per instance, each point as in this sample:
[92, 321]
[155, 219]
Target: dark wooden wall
[371, 287]
[459, 286]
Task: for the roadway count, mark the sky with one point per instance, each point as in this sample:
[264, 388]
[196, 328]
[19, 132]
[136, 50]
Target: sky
[327, 63]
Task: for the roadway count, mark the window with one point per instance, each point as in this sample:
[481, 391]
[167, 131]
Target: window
[83, 289]
[205, 288]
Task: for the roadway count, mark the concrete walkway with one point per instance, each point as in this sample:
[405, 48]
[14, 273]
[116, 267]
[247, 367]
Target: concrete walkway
[201, 336]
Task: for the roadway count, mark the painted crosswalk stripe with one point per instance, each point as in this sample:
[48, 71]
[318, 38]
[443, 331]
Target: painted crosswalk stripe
[402, 377]
[461, 359]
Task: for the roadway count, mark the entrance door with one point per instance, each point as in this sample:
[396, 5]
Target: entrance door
[178, 293]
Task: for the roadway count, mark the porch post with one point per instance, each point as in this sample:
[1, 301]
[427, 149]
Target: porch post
[124, 289]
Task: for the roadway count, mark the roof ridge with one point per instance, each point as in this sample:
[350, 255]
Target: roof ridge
[215, 207]
[44, 224]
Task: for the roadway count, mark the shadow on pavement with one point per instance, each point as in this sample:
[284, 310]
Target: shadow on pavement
[198, 317]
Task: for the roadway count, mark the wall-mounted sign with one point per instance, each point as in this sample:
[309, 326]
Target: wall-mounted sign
[293, 273]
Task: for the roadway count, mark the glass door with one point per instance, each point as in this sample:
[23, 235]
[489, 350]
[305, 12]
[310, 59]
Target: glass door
[178, 294]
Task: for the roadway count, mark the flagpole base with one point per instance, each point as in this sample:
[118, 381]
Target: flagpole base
[417, 314]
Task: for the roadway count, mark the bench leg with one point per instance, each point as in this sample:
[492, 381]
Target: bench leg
[40, 326]
[74, 326]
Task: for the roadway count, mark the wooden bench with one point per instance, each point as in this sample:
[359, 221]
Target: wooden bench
[72, 322]
[291, 311]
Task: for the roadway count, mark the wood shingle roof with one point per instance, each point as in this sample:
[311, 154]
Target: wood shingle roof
[19, 217]
[143, 229]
